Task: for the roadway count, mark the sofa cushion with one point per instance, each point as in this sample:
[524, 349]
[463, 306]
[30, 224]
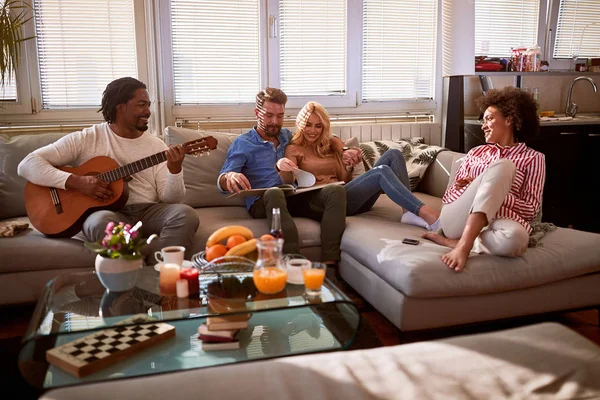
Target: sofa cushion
[13, 149]
[542, 361]
[201, 173]
[418, 271]
[213, 218]
[32, 251]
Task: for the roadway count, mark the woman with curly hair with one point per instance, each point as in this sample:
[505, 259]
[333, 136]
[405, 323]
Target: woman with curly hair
[499, 185]
[313, 148]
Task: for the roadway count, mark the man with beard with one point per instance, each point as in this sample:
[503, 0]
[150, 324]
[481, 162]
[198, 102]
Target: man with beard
[153, 192]
[256, 160]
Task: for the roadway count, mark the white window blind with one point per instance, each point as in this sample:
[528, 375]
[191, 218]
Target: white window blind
[399, 41]
[578, 29]
[216, 55]
[8, 91]
[502, 24]
[312, 47]
[82, 46]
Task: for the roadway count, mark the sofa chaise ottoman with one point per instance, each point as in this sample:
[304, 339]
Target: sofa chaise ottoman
[543, 361]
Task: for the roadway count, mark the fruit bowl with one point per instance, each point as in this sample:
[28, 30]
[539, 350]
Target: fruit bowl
[227, 282]
[199, 259]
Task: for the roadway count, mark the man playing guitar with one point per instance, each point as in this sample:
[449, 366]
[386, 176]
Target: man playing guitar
[153, 192]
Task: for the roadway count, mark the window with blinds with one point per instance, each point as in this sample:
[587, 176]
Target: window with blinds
[502, 24]
[8, 91]
[82, 46]
[312, 47]
[216, 54]
[399, 43]
[578, 29]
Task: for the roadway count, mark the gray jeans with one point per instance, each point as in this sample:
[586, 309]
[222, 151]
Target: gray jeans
[175, 224]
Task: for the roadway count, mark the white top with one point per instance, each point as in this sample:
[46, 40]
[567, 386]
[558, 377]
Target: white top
[151, 185]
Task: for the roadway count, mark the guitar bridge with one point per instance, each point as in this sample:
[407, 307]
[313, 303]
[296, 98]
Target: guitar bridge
[56, 201]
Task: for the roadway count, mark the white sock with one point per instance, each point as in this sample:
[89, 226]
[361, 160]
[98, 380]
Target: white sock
[412, 219]
[436, 226]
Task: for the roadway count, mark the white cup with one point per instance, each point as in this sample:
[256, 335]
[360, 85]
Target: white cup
[171, 254]
[294, 270]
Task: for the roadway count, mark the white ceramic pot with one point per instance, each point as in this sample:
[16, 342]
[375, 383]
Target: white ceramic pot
[118, 275]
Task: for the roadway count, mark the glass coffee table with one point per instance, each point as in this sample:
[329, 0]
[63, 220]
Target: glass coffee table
[75, 305]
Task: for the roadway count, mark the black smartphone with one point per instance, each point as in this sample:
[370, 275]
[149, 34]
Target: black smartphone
[414, 242]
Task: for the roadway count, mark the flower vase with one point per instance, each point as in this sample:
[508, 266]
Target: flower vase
[117, 274]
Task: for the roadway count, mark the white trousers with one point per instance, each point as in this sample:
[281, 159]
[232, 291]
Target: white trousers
[502, 237]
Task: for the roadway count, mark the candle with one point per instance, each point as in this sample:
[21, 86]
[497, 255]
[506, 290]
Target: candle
[191, 276]
[169, 274]
[182, 288]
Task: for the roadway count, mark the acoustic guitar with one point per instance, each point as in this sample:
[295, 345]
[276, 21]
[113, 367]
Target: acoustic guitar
[60, 213]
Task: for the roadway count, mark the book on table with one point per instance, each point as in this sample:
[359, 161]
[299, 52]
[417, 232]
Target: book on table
[227, 322]
[288, 189]
[228, 335]
[212, 346]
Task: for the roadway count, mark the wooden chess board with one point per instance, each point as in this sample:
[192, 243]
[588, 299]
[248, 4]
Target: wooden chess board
[86, 355]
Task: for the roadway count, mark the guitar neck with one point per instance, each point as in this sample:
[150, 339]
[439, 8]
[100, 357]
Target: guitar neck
[134, 167]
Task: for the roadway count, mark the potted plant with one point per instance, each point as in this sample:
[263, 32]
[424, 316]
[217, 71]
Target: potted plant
[119, 258]
[14, 14]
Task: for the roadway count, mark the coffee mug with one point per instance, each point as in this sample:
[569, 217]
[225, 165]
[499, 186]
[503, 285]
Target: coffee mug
[294, 270]
[171, 254]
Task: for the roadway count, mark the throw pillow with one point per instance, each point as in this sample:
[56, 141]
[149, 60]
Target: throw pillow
[13, 149]
[416, 153]
[201, 173]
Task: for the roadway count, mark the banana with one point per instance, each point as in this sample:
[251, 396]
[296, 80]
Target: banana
[223, 233]
[242, 248]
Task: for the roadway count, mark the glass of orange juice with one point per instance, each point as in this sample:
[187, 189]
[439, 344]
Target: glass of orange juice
[314, 276]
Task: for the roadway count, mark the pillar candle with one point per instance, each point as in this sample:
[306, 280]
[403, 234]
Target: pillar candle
[182, 288]
[191, 276]
[169, 274]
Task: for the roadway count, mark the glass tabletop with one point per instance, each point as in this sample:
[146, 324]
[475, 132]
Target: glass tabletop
[74, 305]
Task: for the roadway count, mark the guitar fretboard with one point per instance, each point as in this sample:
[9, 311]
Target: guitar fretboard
[134, 167]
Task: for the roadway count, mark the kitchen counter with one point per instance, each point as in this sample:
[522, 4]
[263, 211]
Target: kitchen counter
[580, 119]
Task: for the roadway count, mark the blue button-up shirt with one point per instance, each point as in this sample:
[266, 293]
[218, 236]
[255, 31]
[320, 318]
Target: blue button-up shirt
[255, 158]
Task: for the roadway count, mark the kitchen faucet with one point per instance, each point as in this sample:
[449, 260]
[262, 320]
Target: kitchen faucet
[571, 108]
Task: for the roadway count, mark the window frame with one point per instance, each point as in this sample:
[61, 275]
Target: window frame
[28, 109]
[556, 63]
[345, 105]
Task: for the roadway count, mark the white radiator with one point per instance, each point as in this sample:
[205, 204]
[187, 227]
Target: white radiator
[430, 131]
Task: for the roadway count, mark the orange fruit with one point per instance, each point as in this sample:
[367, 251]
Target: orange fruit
[234, 240]
[215, 251]
[266, 237]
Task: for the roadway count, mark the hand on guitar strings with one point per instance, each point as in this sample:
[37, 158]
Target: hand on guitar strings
[175, 156]
[90, 186]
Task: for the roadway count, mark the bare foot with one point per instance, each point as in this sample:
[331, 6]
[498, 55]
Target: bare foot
[439, 239]
[457, 258]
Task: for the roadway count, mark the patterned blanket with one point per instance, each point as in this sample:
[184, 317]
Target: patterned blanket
[417, 155]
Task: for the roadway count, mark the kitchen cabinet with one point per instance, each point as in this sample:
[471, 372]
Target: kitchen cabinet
[588, 218]
[572, 153]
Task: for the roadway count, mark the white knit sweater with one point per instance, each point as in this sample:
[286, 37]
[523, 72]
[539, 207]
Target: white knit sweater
[151, 185]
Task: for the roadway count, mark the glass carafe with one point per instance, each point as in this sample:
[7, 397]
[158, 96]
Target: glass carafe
[270, 273]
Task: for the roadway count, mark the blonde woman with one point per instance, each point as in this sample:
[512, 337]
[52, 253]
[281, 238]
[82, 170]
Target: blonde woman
[313, 148]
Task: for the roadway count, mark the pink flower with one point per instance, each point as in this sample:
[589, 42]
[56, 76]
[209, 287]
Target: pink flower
[109, 228]
[134, 234]
[116, 247]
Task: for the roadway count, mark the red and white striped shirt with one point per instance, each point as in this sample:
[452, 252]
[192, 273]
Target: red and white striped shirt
[522, 203]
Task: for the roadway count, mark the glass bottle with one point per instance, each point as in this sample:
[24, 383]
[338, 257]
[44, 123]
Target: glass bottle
[276, 230]
[534, 58]
[270, 273]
